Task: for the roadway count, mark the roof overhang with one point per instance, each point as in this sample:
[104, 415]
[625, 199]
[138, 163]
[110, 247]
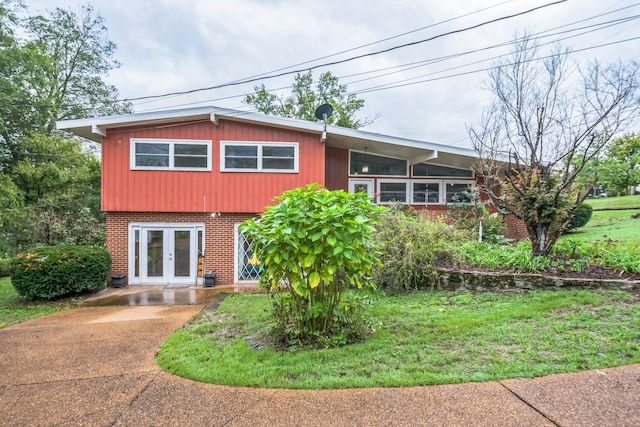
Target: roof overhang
[351, 139]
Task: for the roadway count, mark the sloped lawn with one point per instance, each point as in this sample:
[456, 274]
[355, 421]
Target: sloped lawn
[418, 338]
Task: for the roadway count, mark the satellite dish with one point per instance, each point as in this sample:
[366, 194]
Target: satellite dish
[324, 111]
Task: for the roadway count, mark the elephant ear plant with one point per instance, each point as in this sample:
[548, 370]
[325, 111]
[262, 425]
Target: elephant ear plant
[315, 248]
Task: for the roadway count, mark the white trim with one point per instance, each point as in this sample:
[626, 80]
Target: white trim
[140, 280]
[236, 258]
[368, 181]
[342, 137]
[368, 153]
[442, 188]
[426, 181]
[394, 181]
[172, 143]
[260, 145]
[413, 175]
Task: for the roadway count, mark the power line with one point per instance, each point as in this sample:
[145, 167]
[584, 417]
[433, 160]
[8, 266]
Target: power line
[404, 67]
[381, 40]
[272, 76]
[552, 32]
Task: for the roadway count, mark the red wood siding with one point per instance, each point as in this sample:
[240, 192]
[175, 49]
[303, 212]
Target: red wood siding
[211, 191]
[337, 168]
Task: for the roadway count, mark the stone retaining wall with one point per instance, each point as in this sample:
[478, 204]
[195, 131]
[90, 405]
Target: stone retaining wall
[490, 281]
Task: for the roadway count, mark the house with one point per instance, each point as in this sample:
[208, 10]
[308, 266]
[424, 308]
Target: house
[176, 184]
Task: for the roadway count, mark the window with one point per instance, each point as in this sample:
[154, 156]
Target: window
[371, 164]
[426, 192]
[392, 191]
[458, 192]
[259, 157]
[247, 264]
[156, 154]
[427, 169]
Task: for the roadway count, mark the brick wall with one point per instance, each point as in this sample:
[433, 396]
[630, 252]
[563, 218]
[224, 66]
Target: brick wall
[219, 238]
[514, 228]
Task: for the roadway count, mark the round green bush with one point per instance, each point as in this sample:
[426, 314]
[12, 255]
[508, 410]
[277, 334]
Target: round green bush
[50, 272]
[581, 216]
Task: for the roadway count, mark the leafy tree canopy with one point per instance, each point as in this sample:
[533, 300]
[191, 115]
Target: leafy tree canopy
[620, 169]
[53, 71]
[305, 98]
[52, 67]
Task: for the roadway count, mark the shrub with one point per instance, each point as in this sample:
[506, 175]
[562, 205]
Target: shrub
[50, 272]
[4, 267]
[466, 211]
[314, 246]
[411, 247]
[581, 216]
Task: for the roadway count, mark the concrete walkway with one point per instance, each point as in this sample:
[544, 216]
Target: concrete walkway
[95, 366]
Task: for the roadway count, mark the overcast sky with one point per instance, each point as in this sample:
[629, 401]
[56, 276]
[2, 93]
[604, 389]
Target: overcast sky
[178, 45]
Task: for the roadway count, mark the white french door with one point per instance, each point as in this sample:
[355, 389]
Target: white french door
[164, 254]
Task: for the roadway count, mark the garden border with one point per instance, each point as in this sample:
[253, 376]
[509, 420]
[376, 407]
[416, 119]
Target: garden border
[466, 280]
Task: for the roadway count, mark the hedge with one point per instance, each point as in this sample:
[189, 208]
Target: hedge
[50, 272]
[581, 216]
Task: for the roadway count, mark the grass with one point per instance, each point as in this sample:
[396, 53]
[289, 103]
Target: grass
[615, 202]
[610, 225]
[614, 224]
[15, 309]
[420, 338]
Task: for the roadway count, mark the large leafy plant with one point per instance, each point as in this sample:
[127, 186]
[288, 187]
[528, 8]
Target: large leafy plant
[314, 246]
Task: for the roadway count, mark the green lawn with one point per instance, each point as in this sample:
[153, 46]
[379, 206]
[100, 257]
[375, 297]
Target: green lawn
[615, 202]
[419, 338]
[15, 309]
[613, 224]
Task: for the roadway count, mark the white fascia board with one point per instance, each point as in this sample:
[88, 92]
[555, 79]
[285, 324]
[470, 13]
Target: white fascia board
[404, 142]
[96, 128]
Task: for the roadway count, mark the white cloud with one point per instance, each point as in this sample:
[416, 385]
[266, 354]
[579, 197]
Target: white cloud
[173, 45]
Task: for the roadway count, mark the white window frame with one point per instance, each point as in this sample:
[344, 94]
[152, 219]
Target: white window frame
[260, 145]
[236, 256]
[443, 195]
[426, 181]
[440, 177]
[172, 143]
[442, 189]
[407, 194]
[406, 175]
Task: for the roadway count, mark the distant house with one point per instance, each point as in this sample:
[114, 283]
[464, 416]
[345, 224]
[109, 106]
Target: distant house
[176, 184]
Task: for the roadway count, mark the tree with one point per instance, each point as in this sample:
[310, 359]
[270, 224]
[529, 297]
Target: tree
[620, 169]
[304, 100]
[59, 195]
[51, 68]
[543, 128]
[313, 246]
[54, 72]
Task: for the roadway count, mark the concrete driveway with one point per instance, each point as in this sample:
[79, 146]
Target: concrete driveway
[95, 366]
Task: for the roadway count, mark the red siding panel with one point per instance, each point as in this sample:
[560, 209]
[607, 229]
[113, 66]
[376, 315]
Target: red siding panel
[337, 168]
[211, 191]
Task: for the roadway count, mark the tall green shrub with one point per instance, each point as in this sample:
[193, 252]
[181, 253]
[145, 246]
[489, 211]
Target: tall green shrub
[412, 246]
[314, 246]
[50, 272]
